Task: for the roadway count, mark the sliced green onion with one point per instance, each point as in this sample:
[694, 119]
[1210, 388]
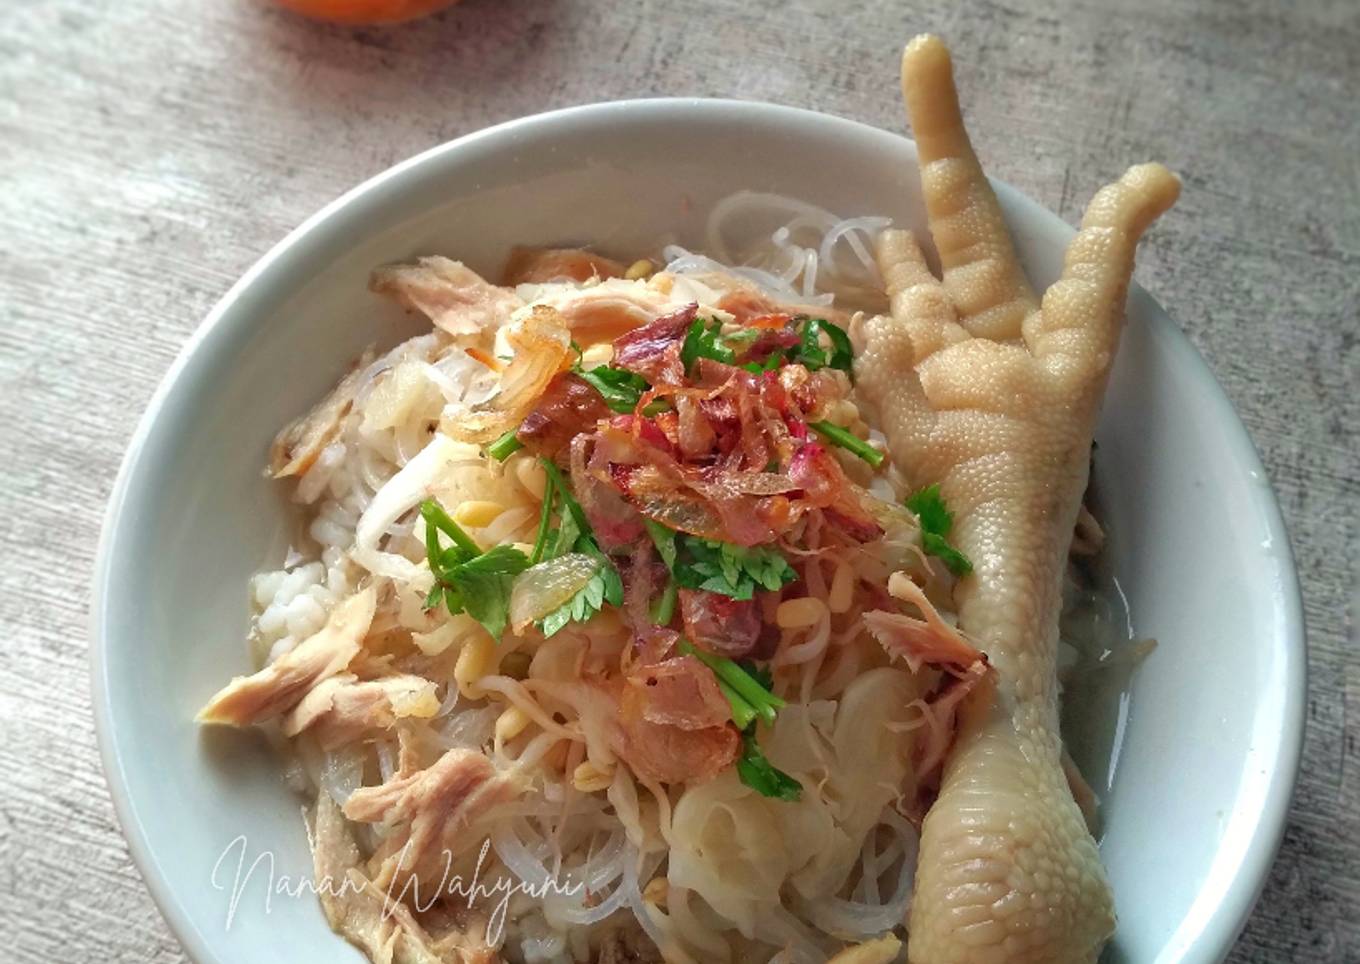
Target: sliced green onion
[762, 700]
[434, 515]
[664, 609]
[544, 522]
[841, 355]
[569, 502]
[849, 441]
[743, 713]
[505, 446]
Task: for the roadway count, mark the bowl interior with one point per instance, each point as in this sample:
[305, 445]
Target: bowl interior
[1208, 734]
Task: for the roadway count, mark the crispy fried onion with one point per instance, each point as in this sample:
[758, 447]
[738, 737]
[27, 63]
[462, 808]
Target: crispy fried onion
[674, 721]
[667, 720]
[826, 486]
[567, 407]
[541, 345]
[615, 522]
[653, 350]
[731, 498]
[700, 501]
[720, 624]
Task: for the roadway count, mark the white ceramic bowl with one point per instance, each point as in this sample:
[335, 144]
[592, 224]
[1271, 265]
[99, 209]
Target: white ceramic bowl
[1210, 735]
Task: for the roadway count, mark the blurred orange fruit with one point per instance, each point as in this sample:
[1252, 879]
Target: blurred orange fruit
[365, 11]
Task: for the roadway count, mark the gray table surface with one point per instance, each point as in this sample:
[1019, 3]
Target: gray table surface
[153, 149]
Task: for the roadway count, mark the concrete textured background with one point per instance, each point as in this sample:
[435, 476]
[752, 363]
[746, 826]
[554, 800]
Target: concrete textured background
[152, 149]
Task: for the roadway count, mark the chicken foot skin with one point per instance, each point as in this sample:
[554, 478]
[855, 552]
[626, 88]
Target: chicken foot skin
[992, 393]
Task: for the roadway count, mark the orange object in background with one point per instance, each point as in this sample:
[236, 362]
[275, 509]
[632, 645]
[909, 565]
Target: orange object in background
[365, 11]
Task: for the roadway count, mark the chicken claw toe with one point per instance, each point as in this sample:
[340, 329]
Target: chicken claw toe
[981, 271]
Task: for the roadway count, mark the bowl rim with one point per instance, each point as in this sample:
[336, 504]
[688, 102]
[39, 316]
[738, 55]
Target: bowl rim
[1238, 898]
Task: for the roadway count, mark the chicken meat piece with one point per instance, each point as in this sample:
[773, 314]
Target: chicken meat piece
[344, 709]
[297, 447]
[429, 811]
[282, 684]
[993, 394]
[547, 265]
[366, 915]
[608, 310]
[449, 293]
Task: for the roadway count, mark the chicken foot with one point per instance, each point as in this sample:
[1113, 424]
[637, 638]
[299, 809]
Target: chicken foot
[993, 394]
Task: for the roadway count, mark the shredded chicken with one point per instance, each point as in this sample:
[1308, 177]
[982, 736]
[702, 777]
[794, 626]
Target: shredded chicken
[628, 945]
[364, 914]
[344, 709]
[940, 714]
[1089, 537]
[612, 308]
[282, 684]
[920, 642]
[1085, 797]
[539, 265]
[429, 811]
[450, 294]
[297, 447]
[929, 643]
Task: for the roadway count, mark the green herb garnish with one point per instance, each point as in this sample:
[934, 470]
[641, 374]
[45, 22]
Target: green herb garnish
[812, 355]
[749, 698]
[604, 587]
[936, 521]
[734, 571]
[849, 441]
[544, 521]
[665, 541]
[574, 534]
[809, 352]
[570, 507]
[743, 713]
[761, 674]
[747, 689]
[663, 610]
[505, 446]
[775, 359]
[704, 340]
[620, 388]
[761, 775]
[466, 578]
[741, 339]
